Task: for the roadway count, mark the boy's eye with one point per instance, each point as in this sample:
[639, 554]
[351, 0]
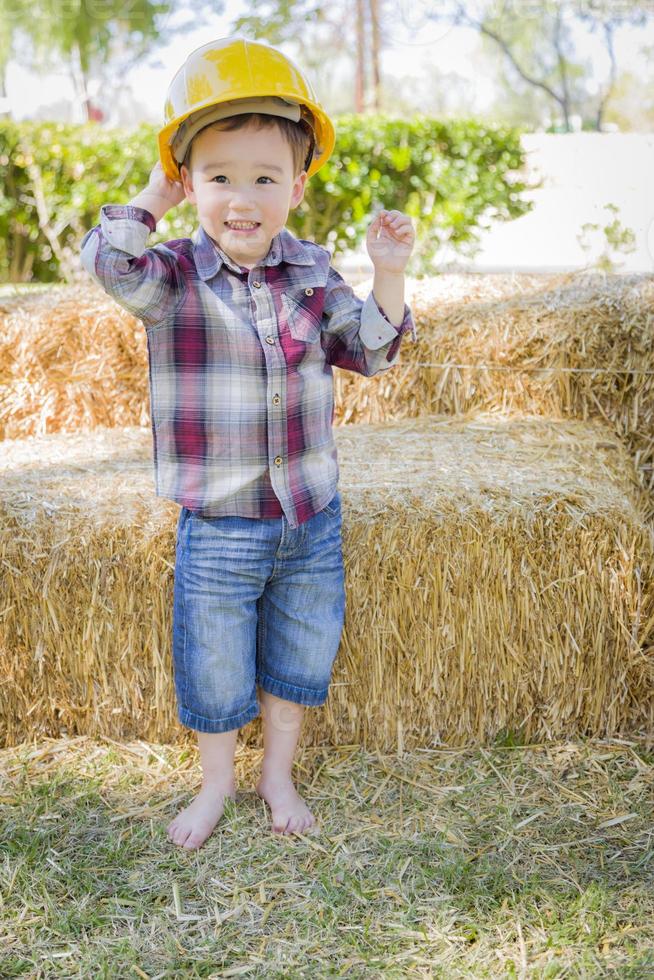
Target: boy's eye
[220, 176]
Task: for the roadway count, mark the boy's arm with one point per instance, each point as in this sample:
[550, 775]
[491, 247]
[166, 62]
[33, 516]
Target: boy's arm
[366, 336]
[357, 334]
[146, 282]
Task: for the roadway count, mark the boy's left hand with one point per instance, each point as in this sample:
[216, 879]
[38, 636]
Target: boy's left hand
[390, 252]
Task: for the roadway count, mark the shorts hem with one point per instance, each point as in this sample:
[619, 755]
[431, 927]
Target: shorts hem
[202, 724]
[290, 692]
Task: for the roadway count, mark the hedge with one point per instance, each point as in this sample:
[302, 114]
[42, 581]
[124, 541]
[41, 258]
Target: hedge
[451, 176]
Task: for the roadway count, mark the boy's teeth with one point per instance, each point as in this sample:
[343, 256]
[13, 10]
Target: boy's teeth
[242, 224]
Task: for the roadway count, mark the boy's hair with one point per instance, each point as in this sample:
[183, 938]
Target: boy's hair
[297, 134]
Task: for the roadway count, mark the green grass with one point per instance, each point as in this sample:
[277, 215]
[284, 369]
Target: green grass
[446, 863]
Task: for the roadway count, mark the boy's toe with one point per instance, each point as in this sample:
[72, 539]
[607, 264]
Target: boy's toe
[179, 835]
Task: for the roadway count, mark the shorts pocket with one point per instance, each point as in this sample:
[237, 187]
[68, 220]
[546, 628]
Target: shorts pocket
[333, 508]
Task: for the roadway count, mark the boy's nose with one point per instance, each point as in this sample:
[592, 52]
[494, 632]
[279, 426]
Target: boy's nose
[241, 200]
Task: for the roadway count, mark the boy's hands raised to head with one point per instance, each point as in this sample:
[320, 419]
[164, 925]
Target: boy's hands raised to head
[390, 240]
[161, 194]
[172, 190]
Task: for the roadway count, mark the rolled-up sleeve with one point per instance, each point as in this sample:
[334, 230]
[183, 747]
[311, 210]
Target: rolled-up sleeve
[356, 334]
[145, 281]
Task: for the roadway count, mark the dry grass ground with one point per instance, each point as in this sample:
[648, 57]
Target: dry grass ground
[505, 861]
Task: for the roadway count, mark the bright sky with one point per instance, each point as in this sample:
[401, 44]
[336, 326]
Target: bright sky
[416, 44]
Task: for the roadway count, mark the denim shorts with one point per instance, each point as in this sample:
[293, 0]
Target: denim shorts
[255, 602]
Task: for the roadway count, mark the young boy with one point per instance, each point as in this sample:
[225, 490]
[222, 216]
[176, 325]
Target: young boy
[244, 324]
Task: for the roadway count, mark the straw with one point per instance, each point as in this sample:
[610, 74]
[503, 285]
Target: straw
[498, 574]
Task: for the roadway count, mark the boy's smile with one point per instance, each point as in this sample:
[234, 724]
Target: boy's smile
[243, 186]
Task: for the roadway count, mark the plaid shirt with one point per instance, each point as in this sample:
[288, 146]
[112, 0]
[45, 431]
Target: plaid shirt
[240, 362]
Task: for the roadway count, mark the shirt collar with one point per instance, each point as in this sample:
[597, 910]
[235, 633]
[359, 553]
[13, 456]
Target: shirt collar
[284, 247]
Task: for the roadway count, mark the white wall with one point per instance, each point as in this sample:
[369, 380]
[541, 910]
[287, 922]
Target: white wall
[582, 172]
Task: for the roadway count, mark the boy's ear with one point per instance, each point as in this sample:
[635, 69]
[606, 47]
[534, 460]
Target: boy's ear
[187, 183]
[298, 189]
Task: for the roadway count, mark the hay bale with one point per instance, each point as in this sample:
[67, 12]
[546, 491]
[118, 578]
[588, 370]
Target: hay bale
[499, 574]
[563, 346]
[573, 345]
[70, 360]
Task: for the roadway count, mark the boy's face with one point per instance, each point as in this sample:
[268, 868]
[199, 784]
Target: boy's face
[245, 175]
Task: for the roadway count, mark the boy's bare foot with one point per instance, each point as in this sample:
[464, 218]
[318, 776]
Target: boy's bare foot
[290, 814]
[192, 826]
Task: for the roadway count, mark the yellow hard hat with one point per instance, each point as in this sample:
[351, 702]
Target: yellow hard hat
[233, 75]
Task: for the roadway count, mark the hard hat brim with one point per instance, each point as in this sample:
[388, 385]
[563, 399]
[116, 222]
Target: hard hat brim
[325, 137]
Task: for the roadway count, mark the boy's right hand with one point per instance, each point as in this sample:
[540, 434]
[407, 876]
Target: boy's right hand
[161, 194]
[169, 190]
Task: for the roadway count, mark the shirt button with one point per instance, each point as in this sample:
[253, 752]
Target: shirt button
[256, 284]
[276, 399]
[270, 340]
[308, 291]
[278, 460]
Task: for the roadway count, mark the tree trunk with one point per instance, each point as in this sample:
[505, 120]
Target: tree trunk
[79, 83]
[359, 93]
[4, 113]
[376, 70]
[565, 99]
[608, 34]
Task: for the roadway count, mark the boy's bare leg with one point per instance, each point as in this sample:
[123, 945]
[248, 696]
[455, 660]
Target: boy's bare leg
[192, 826]
[282, 721]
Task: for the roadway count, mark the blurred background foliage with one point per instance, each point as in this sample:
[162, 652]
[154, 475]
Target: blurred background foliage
[452, 177]
[441, 143]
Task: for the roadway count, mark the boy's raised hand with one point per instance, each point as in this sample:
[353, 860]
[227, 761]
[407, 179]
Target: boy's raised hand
[168, 190]
[161, 194]
[390, 240]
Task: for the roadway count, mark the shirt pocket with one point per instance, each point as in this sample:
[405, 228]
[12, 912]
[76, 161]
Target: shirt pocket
[303, 309]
